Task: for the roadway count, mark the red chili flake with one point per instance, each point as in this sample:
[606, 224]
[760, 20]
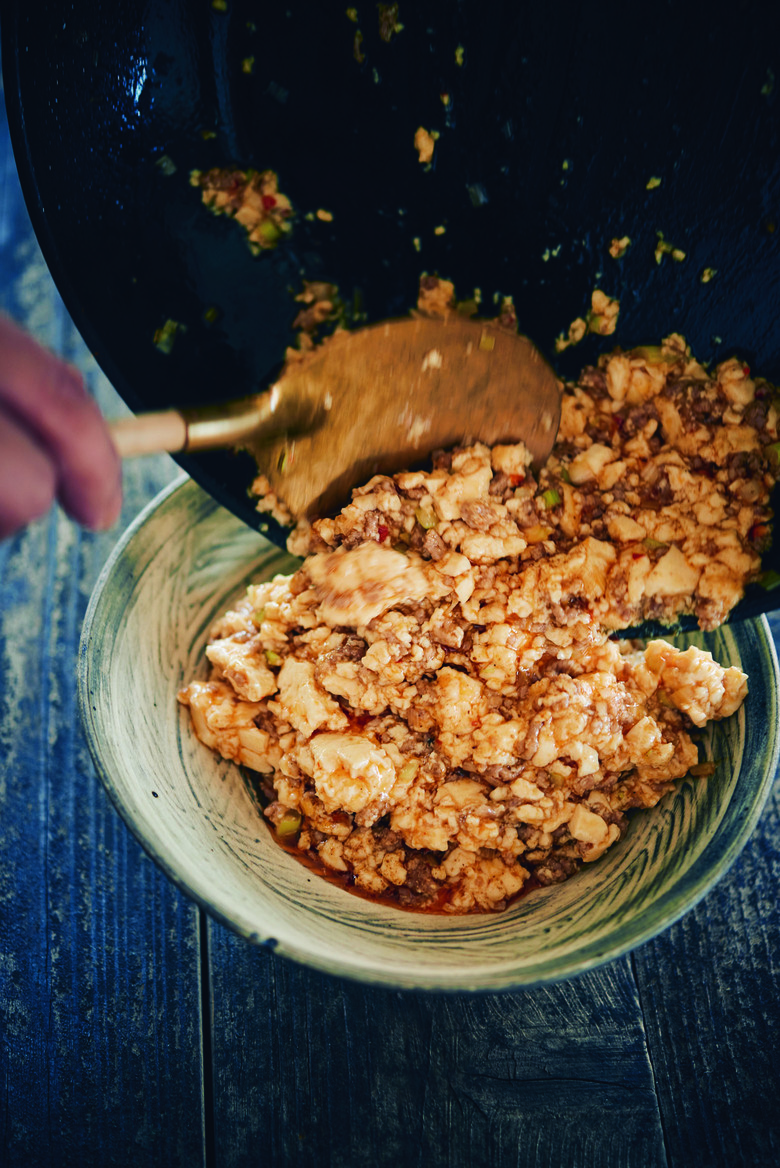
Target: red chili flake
[746, 370]
[268, 202]
[516, 480]
[758, 531]
[383, 532]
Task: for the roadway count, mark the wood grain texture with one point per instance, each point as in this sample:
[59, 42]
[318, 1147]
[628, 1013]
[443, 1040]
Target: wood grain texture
[100, 1051]
[710, 989]
[311, 1071]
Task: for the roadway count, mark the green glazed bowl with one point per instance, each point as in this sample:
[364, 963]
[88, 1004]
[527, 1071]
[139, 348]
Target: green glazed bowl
[180, 565]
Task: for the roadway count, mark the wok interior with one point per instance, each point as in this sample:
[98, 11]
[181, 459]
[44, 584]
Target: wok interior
[555, 122]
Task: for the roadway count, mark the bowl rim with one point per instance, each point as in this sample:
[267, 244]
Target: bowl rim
[696, 883]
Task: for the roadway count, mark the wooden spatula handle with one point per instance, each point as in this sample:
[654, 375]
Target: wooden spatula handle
[156, 433]
[260, 417]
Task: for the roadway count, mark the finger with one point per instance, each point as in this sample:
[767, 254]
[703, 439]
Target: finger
[28, 478]
[48, 397]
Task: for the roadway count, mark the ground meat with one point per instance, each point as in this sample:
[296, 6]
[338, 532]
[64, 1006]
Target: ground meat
[420, 720]
[442, 459]
[636, 419]
[420, 880]
[478, 515]
[433, 545]
[555, 870]
[386, 838]
[374, 526]
[744, 465]
[659, 491]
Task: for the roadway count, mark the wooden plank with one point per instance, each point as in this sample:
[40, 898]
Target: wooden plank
[710, 990]
[310, 1070]
[100, 1059]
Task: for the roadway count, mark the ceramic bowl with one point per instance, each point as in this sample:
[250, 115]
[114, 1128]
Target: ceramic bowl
[181, 564]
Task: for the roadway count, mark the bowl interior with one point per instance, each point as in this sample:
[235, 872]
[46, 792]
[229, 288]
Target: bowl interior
[176, 569]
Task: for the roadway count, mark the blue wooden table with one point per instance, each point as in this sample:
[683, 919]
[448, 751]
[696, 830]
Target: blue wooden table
[135, 1031]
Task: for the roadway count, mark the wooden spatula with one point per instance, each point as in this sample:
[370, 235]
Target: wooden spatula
[374, 400]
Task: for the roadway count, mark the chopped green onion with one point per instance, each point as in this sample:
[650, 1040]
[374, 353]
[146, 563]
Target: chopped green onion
[289, 824]
[769, 580]
[258, 616]
[557, 778]
[165, 336]
[551, 498]
[490, 671]
[272, 657]
[564, 475]
[425, 517]
[268, 232]
[774, 448]
[467, 307]
[653, 545]
[654, 354]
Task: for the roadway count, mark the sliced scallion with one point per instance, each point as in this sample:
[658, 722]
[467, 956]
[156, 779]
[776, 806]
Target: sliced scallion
[425, 517]
[289, 824]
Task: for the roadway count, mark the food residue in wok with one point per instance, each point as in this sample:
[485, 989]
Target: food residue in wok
[601, 319]
[252, 198]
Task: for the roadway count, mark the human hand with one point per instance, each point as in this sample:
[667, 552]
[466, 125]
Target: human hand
[54, 443]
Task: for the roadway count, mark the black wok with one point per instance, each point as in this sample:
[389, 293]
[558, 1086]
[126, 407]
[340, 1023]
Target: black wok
[557, 119]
